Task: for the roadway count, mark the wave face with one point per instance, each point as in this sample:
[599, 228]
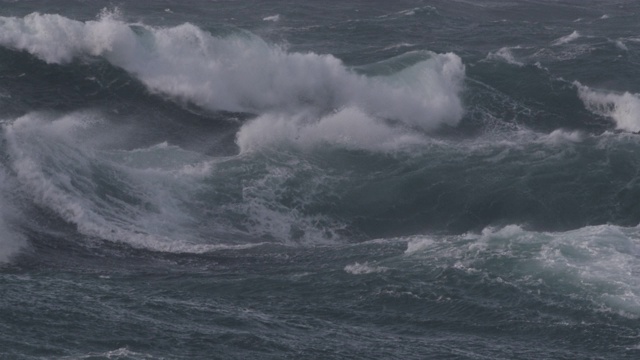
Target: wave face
[319, 180]
[11, 241]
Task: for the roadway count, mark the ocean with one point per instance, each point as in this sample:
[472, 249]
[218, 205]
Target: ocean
[409, 179]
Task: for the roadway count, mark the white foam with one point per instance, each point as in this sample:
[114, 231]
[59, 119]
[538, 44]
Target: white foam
[560, 136]
[623, 108]
[413, 11]
[598, 263]
[422, 96]
[153, 197]
[562, 53]
[409, 12]
[603, 257]
[269, 218]
[364, 268]
[243, 73]
[166, 159]
[621, 45]
[398, 46]
[59, 173]
[120, 353]
[418, 245]
[567, 39]
[349, 128]
[273, 18]
[505, 54]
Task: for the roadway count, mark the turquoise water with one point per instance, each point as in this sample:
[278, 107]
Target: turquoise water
[410, 180]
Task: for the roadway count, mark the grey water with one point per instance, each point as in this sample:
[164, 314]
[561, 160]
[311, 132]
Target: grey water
[320, 180]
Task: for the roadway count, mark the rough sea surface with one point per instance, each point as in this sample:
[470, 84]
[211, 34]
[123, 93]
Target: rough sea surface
[445, 179]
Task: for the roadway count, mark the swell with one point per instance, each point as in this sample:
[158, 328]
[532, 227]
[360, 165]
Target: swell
[331, 154]
[169, 199]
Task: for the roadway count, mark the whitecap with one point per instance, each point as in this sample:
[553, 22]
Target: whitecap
[567, 39]
[349, 128]
[243, 73]
[621, 45]
[622, 108]
[504, 54]
[273, 18]
[364, 268]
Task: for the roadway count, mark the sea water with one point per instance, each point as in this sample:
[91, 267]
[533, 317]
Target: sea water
[443, 179]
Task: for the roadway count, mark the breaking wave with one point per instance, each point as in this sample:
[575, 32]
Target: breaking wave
[622, 108]
[242, 73]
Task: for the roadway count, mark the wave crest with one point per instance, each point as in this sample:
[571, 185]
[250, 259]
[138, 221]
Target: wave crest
[623, 108]
[242, 73]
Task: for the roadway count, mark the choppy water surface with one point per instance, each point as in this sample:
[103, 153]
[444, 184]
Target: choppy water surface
[248, 179]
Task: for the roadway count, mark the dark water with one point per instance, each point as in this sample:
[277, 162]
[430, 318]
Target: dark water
[327, 179]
